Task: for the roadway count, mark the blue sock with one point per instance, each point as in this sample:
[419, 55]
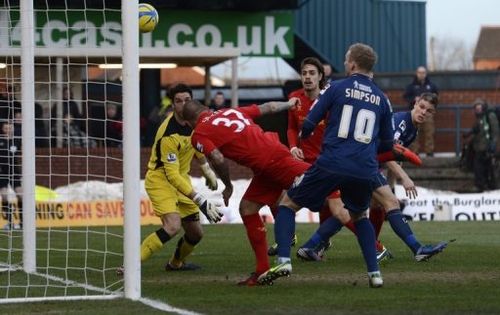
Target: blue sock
[366, 240]
[400, 226]
[284, 228]
[327, 229]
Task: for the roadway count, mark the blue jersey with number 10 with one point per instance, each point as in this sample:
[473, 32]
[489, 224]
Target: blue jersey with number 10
[359, 120]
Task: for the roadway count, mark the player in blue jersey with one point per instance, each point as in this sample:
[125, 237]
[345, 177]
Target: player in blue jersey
[387, 205]
[360, 122]
[407, 124]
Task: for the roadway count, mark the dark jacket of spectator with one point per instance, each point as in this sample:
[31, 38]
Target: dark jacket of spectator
[416, 88]
[114, 126]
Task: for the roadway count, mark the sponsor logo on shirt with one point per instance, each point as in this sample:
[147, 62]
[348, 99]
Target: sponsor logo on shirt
[171, 158]
[402, 125]
[397, 135]
[327, 86]
[362, 87]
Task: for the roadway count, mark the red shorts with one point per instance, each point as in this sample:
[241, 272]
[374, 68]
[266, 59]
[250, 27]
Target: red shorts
[266, 187]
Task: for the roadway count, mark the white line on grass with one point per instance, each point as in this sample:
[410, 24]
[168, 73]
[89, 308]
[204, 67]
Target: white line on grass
[165, 307]
[146, 301]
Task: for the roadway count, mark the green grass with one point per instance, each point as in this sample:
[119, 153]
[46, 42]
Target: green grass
[465, 279]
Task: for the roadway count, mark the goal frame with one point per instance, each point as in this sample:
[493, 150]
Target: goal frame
[129, 55]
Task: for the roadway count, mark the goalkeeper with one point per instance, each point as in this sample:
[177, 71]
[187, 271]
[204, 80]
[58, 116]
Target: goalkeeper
[169, 188]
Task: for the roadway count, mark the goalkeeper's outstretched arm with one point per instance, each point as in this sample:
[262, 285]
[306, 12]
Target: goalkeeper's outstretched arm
[208, 173]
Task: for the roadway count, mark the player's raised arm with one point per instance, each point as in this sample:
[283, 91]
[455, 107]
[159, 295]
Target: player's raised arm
[275, 107]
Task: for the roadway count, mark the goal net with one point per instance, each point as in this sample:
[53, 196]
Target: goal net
[62, 217]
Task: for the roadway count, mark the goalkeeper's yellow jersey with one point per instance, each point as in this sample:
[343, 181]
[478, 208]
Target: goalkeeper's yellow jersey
[172, 152]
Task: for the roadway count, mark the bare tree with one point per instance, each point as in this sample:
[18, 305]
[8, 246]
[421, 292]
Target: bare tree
[448, 53]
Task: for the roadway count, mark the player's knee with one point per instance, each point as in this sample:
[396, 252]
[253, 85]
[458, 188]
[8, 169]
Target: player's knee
[192, 228]
[288, 202]
[248, 207]
[172, 230]
[356, 216]
[342, 215]
[391, 203]
[194, 237]
[171, 224]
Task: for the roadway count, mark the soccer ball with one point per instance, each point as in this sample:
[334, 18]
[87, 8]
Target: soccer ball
[148, 17]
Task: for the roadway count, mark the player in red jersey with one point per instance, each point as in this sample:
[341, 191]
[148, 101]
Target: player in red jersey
[232, 133]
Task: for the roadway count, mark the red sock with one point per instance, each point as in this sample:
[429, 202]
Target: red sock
[256, 232]
[350, 226]
[324, 214]
[377, 217]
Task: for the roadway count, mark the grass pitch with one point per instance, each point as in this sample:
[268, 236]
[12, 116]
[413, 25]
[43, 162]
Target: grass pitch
[464, 279]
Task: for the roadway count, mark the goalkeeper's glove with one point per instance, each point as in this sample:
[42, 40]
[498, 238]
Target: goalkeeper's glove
[210, 178]
[399, 153]
[211, 209]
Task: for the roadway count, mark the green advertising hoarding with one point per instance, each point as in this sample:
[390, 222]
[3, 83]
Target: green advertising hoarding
[255, 34]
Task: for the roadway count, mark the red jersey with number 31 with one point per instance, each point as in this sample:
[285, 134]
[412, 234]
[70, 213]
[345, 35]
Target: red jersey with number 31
[235, 134]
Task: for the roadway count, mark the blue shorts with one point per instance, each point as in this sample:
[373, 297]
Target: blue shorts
[381, 180]
[311, 190]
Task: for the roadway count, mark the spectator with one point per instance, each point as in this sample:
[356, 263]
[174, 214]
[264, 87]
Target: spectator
[484, 138]
[218, 102]
[41, 131]
[11, 109]
[4, 103]
[10, 173]
[73, 136]
[68, 105]
[422, 84]
[327, 69]
[8, 105]
[159, 113]
[114, 126]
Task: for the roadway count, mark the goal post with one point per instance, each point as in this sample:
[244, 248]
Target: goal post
[131, 145]
[45, 260]
[75, 187]
[28, 134]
